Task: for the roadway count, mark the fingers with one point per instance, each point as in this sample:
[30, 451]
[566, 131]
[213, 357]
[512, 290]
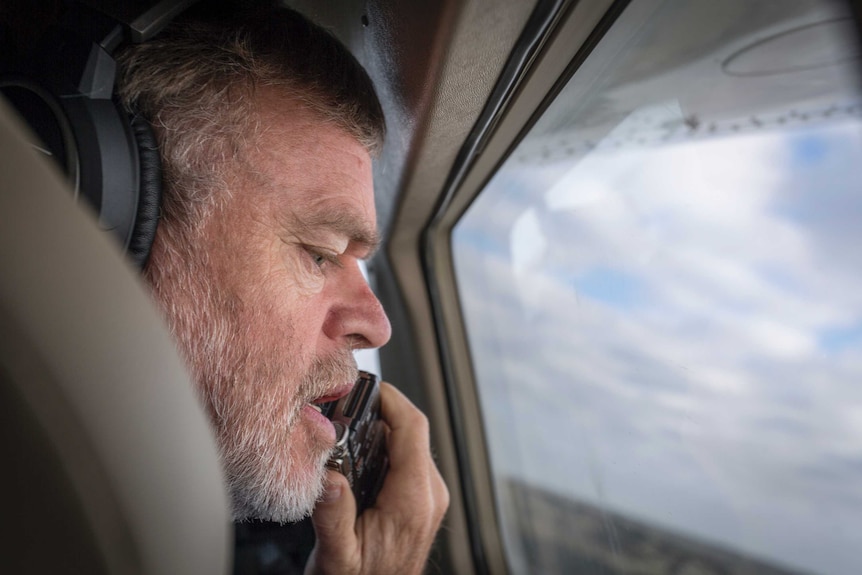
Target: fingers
[334, 517]
[409, 438]
[414, 487]
[395, 535]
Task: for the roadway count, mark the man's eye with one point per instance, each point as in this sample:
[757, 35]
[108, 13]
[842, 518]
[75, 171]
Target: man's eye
[322, 257]
[319, 259]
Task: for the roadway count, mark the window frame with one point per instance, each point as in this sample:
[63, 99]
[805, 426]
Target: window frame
[568, 43]
[570, 32]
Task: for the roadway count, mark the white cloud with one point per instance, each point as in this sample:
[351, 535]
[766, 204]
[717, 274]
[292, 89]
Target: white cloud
[710, 389]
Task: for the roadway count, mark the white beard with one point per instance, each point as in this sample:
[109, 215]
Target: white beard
[253, 387]
[276, 472]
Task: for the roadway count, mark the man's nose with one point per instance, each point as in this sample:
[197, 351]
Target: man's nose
[357, 315]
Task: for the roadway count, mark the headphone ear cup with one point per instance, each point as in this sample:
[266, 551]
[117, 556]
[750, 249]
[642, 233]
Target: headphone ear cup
[149, 192]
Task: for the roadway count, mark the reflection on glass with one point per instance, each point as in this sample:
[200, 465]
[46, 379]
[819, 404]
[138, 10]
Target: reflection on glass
[663, 294]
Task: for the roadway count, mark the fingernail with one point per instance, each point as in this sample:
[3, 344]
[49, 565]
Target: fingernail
[332, 493]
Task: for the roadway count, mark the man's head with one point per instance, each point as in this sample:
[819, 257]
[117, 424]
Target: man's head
[266, 126]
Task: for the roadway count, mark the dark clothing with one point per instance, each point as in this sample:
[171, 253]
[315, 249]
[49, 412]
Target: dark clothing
[265, 548]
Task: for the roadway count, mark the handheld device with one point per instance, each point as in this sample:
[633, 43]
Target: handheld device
[360, 439]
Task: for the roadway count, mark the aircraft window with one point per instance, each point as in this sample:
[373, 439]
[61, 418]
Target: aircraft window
[662, 291]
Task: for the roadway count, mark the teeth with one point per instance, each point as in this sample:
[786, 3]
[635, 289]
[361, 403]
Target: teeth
[317, 407]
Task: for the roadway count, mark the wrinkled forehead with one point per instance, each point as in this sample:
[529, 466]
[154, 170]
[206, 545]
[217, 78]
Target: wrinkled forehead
[314, 173]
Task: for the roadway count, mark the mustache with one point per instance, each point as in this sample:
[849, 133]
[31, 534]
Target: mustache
[326, 374]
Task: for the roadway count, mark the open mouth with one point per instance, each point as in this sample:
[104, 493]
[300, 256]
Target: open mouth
[325, 403]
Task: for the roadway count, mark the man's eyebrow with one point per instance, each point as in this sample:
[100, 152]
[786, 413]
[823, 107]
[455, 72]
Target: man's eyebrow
[342, 223]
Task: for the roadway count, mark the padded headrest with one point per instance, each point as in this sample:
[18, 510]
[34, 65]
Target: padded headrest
[109, 464]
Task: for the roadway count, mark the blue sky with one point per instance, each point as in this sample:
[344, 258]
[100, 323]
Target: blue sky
[676, 332]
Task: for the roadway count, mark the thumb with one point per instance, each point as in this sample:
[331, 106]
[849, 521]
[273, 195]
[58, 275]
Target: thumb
[334, 520]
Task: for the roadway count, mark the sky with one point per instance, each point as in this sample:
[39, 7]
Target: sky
[675, 332]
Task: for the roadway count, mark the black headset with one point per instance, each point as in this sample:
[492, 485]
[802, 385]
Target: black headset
[63, 86]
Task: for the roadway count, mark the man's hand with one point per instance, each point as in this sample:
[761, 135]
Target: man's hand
[395, 535]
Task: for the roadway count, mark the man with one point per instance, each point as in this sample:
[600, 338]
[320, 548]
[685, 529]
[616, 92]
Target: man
[266, 127]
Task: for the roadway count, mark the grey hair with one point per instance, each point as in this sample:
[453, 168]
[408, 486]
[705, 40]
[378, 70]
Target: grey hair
[196, 81]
